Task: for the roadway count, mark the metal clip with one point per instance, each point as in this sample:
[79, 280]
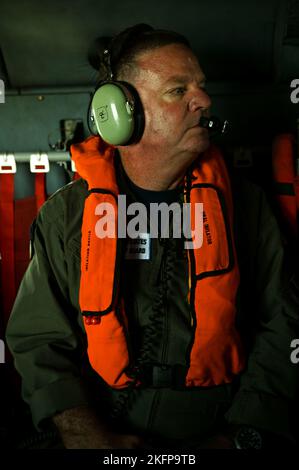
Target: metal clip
[39, 163]
[7, 163]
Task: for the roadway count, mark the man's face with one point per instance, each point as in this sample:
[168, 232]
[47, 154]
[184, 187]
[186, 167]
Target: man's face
[171, 84]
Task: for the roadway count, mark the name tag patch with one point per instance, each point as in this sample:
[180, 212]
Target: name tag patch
[138, 248]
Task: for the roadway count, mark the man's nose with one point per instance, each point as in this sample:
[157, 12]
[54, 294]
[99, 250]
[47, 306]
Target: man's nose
[199, 100]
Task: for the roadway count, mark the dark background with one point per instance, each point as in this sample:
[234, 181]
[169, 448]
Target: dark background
[248, 49]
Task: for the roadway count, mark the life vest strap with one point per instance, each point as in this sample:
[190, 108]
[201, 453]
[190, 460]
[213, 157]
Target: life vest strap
[160, 375]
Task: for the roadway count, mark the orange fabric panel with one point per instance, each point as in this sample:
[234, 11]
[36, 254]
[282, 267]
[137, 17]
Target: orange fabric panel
[214, 231]
[107, 350]
[98, 256]
[98, 168]
[217, 354]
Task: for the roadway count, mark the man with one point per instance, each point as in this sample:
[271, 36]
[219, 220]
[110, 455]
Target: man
[180, 351]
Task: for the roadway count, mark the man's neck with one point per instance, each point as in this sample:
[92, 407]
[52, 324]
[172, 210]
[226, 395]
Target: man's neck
[153, 173]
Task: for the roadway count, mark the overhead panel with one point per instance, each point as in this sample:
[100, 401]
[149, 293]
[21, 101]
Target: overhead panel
[46, 43]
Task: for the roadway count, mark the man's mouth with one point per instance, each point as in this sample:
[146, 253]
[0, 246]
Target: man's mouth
[202, 129]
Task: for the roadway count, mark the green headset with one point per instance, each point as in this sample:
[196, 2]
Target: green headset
[115, 111]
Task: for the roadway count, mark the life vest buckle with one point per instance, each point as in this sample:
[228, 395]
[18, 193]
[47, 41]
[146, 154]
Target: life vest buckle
[162, 375]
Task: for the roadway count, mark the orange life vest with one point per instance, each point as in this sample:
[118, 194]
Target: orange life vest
[216, 355]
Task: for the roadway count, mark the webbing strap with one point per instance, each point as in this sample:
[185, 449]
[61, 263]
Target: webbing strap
[8, 285]
[284, 189]
[8, 239]
[161, 375]
[40, 189]
[297, 193]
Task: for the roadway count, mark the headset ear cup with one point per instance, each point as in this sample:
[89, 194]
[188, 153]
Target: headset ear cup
[116, 113]
[90, 120]
[113, 113]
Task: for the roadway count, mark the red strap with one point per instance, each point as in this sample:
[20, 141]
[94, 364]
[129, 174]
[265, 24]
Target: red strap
[25, 212]
[283, 165]
[296, 184]
[40, 189]
[7, 237]
[76, 176]
[8, 285]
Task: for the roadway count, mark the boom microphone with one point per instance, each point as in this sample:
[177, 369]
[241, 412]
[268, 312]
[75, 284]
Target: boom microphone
[214, 124]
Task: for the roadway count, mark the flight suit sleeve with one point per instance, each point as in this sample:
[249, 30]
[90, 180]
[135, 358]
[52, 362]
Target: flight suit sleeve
[269, 384]
[43, 333]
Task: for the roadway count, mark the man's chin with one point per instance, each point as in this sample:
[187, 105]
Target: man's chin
[202, 145]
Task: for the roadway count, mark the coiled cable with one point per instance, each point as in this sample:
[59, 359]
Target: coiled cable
[146, 353]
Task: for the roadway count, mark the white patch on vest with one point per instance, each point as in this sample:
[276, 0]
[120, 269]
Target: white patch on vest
[138, 248]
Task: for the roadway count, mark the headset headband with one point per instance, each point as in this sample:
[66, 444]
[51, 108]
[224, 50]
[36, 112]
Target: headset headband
[120, 43]
[107, 61]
